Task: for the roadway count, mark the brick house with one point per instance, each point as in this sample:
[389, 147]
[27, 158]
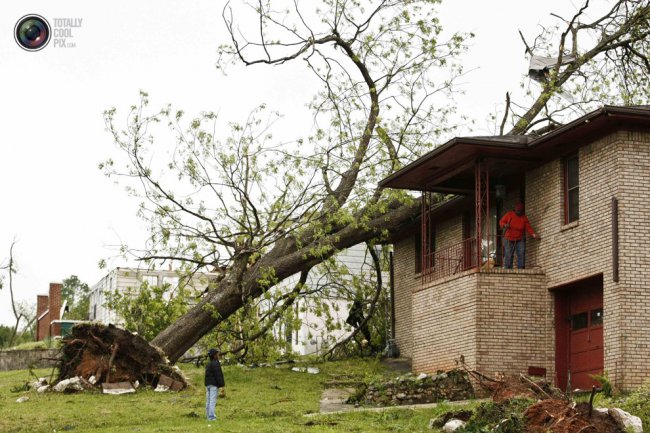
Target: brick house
[580, 305]
[49, 308]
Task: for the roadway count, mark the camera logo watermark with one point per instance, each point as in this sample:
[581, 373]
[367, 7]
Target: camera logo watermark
[33, 32]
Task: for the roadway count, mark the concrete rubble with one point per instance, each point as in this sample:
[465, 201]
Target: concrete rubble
[452, 425]
[69, 385]
[626, 421]
[310, 370]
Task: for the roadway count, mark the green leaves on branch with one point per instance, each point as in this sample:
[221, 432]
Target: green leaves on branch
[148, 309]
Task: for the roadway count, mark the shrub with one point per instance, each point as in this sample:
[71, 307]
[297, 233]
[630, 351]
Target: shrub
[505, 417]
[638, 403]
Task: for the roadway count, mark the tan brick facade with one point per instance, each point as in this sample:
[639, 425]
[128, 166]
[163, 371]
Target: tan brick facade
[405, 282]
[504, 321]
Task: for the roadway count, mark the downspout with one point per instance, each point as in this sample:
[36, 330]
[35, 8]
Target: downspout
[392, 295]
[620, 363]
[615, 250]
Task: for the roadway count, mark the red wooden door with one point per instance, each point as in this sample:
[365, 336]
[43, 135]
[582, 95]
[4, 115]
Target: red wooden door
[585, 337]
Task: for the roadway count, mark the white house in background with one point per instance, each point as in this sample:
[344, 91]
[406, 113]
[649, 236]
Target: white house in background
[313, 337]
[123, 279]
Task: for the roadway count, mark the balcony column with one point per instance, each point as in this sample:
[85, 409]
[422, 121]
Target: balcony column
[482, 203]
[424, 223]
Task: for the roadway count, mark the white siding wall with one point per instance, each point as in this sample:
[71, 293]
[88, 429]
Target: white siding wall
[123, 279]
[313, 336]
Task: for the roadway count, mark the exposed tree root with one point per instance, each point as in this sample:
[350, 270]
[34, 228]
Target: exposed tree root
[111, 354]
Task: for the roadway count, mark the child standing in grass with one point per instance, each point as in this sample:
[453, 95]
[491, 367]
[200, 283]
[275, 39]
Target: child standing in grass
[213, 381]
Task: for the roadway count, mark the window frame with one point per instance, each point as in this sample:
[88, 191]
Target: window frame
[569, 190]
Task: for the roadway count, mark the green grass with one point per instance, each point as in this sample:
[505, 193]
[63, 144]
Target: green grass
[257, 400]
[32, 345]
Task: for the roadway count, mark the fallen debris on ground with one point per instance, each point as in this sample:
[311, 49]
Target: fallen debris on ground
[560, 416]
[533, 405]
[118, 388]
[310, 370]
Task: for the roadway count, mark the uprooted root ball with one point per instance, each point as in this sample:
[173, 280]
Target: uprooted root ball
[112, 354]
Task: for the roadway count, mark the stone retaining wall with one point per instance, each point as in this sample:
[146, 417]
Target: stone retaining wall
[24, 359]
[444, 386]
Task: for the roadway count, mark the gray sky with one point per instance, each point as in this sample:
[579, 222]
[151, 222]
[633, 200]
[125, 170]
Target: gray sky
[60, 208]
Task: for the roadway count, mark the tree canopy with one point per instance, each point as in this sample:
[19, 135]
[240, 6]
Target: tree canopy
[230, 198]
[77, 295]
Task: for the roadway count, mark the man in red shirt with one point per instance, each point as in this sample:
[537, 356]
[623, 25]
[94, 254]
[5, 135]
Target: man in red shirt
[514, 223]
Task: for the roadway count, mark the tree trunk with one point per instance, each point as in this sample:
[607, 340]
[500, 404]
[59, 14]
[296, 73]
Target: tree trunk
[286, 259]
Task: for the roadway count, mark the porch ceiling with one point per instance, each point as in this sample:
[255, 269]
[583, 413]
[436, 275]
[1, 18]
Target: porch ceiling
[450, 168]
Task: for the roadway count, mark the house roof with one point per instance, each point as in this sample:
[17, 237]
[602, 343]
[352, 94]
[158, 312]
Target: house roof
[449, 168]
[42, 315]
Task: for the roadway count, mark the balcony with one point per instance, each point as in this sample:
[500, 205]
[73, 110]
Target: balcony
[464, 256]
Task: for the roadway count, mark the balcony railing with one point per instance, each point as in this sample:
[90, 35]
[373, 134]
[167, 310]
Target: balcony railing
[463, 256]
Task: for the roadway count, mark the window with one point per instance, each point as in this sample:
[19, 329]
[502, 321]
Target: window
[587, 319]
[571, 190]
[151, 280]
[597, 317]
[579, 321]
[172, 282]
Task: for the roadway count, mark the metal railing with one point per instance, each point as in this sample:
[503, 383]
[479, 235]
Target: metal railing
[463, 256]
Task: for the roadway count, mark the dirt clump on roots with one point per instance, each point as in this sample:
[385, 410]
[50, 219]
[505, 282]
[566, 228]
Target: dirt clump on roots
[551, 413]
[511, 387]
[108, 354]
[558, 416]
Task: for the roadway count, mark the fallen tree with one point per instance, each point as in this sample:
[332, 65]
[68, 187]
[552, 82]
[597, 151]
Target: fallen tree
[264, 213]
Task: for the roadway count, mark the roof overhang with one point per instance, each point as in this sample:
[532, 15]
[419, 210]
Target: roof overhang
[450, 167]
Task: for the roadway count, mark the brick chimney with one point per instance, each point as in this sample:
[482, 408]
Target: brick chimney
[42, 304]
[55, 307]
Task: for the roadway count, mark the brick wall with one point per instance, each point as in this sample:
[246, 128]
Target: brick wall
[617, 165]
[505, 321]
[514, 322]
[632, 293]
[444, 323]
[43, 324]
[55, 306]
[449, 232]
[52, 304]
[499, 322]
[583, 248]
[405, 281]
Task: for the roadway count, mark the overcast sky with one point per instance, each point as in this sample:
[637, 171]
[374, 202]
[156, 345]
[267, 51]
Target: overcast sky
[56, 203]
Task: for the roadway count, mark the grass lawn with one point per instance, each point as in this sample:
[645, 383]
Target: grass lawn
[257, 400]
